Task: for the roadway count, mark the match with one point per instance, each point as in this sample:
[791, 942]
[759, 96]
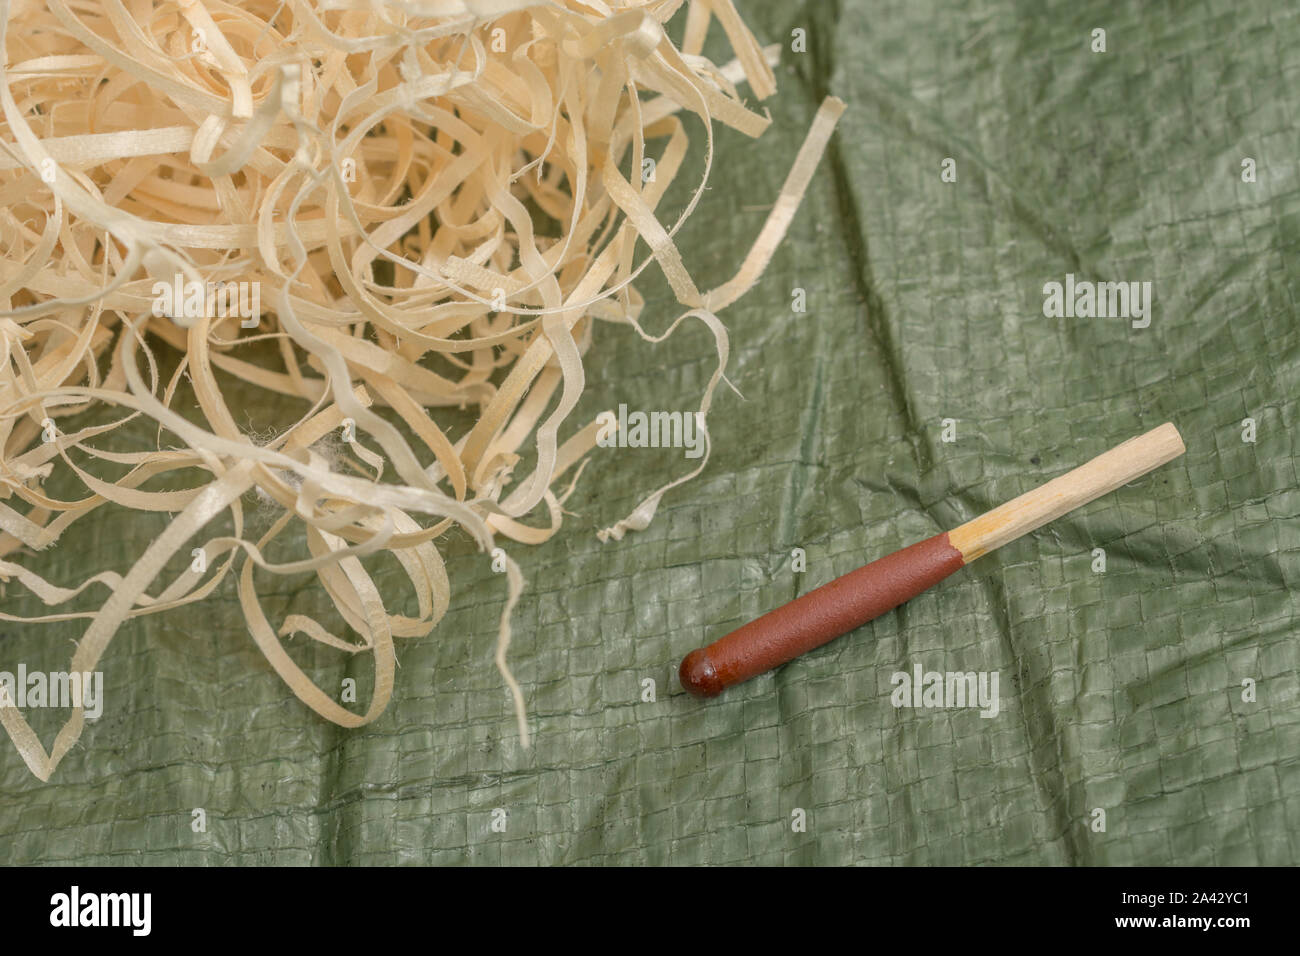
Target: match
[852, 600]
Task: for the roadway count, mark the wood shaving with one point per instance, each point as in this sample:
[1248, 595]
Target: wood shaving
[373, 172]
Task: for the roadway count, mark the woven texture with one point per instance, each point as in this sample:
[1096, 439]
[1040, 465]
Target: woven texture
[1120, 690]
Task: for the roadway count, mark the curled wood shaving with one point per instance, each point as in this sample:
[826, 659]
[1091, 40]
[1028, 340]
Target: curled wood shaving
[374, 171]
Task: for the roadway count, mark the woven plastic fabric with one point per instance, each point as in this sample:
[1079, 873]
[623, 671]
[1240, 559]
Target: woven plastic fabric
[1121, 690]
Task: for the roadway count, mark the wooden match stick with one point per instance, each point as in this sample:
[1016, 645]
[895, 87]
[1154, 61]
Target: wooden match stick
[852, 600]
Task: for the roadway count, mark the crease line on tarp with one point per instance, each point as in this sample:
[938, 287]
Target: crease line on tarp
[1048, 781]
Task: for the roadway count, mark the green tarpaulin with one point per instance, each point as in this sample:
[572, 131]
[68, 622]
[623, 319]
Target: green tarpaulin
[1162, 691]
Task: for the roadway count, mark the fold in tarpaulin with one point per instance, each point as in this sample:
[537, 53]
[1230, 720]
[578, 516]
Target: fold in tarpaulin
[1145, 646]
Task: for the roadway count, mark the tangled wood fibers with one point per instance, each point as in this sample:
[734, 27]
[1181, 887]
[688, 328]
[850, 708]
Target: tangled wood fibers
[372, 173]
